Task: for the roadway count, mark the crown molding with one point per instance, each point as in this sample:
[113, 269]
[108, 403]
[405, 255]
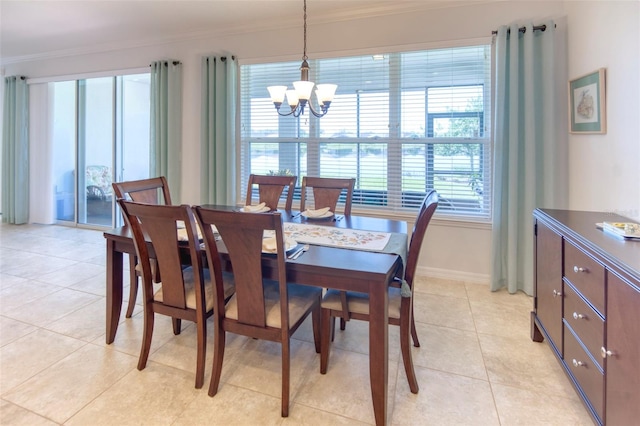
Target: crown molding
[341, 15]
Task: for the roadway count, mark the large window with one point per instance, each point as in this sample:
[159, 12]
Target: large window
[400, 123]
[100, 134]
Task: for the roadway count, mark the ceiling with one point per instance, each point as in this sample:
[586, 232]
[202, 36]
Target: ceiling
[40, 28]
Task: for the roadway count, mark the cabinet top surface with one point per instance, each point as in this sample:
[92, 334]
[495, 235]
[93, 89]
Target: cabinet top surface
[580, 226]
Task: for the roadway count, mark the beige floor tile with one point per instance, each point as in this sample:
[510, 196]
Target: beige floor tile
[38, 265]
[523, 407]
[24, 293]
[52, 307]
[12, 415]
[355, 337]
[258, 366]
[519, 362]
[129, 335]
[450, 350]
[440, 286]
[307, 416]
[73, 274]
[29, 355]
[7, 281]
[87, 323]
[224, 408]
[345, 389]
[444, 399]
[482, 293]
[501, 319]
[67, 386]
[11, 330]
[445, 311]
[157, 395]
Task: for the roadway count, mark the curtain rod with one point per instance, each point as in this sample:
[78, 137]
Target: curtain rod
[524, 29]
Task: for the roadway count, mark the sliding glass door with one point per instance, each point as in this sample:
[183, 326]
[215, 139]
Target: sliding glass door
[101, 134]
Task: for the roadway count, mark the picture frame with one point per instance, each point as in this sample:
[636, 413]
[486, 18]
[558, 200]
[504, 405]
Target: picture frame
[587, 103]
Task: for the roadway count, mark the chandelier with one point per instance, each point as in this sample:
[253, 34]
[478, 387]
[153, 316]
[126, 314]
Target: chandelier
[300, 96]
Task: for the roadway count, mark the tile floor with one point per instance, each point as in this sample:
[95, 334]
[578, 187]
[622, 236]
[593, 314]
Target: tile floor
[477, 364]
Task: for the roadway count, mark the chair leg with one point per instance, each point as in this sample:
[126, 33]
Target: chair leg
[414, 333]
[326, 334]
[405, 347]
[218, 357]
[286, 371]
[201, 327]
[146, 337]
[177, 325]
[133, 285]
[343, 324]
[315, 321]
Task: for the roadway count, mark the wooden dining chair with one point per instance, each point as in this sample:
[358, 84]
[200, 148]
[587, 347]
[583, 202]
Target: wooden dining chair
[269, 309]
[185, 292]
[400, 298]
[151, 191]
[327, 192]
[270, 189]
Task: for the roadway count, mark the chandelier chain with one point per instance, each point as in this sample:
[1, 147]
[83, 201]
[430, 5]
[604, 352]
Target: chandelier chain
[304, 55]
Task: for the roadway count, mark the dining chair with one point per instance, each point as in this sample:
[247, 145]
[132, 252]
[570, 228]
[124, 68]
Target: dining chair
[151, 191]
[185, 292]
[400, 298]
[270, 189]
[262, 308]
[327, 192]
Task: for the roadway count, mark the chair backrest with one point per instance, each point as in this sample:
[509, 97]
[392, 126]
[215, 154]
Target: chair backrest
[155, 234]
[150, 191]
[242, 235]
[270, 189]
[428, 207]
[327, 191]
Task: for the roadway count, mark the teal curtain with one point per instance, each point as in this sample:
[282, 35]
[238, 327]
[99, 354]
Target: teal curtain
[527, 152]
[217, 131]
[166, 124]
[15, 151]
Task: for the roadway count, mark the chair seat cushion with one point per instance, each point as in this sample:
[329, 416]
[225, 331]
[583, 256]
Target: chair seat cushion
[359, 302]
[301, 298]
[190, 294]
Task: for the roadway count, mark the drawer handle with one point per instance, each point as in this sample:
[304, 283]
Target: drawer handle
[556, 293]
[578, 316]
[578, 269]
[605, 353]
[577, 363]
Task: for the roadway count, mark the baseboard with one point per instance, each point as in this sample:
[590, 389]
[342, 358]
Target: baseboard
[450, 274]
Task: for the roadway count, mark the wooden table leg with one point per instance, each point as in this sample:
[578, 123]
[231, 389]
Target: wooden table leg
[379, 350]
[114, 290]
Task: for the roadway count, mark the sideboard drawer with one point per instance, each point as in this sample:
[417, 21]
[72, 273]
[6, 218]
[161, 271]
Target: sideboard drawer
[585, 274]
[585, 322]
[589, 377]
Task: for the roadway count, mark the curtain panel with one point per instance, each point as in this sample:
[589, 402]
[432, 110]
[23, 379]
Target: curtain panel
[528, 154]
[166, 124]
[217, 131]
[15, 151]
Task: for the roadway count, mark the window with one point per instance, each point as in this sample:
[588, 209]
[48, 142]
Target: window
[100, 134]
[400, 123]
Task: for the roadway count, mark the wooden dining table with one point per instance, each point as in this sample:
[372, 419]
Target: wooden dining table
[329, 267]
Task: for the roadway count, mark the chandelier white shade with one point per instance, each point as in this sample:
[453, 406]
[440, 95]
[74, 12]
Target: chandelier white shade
[300, 96]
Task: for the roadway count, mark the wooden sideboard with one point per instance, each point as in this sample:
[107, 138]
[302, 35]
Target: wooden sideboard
[587, 306]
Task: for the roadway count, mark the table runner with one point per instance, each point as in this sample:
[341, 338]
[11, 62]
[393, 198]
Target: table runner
[337, 237]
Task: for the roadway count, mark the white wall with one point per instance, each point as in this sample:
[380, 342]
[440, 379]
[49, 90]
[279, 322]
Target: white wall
[599, 165]
[604, 172]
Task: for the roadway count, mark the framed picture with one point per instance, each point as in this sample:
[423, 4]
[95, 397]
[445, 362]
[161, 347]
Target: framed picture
[587, 103]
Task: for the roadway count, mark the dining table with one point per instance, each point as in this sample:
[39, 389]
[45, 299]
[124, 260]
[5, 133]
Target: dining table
[329, 266]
